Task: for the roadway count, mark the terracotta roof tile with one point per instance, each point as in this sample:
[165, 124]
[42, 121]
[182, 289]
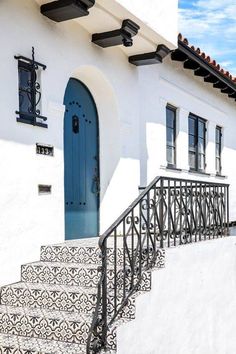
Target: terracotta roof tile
[207, 58]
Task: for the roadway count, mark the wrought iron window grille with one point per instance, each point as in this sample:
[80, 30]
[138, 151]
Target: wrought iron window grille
[30, 91]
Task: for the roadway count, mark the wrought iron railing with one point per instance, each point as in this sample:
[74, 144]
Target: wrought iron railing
[169, 212]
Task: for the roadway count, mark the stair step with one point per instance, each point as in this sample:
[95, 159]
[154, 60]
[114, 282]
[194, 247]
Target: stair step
[50, 296]
[13, 344]
[60, 297]
[74, 253]
[88, 252]
[60, 273]
[85, 275]
[62, 326]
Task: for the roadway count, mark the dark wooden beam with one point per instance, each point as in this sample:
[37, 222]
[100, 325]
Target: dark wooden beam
[227, 90]
[190, 64]
[201, 72]
[150, 58]
[122, 36]
[211, 78]
[220, 85]
[177, 55]
[232, 95]
[63, 10]
[191, 54]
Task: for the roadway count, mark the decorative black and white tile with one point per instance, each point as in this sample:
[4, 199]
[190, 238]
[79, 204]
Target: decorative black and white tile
[77, 254]
[13, 344]
[61, 298]
[50, 311]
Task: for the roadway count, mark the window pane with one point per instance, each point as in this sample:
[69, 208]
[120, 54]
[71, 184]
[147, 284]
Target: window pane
[201, 129]
[218, 150]
[201, 148]
[192, 125]
[191, 141]
[218, 134]
[170, 118]
[170, 137]
[201, 162]
[24, 78]
[24, 90]
[192, 159]
[218, 167]
[170, 155]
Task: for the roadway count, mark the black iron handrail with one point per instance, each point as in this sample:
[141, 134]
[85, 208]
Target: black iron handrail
[169, 212]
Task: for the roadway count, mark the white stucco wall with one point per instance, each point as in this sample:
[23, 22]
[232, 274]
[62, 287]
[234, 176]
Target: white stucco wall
[131, 105]
[28, 220]
[161, 16]
[170, 83]
[191, 308]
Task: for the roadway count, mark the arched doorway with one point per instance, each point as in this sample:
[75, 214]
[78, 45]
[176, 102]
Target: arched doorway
[81, 162]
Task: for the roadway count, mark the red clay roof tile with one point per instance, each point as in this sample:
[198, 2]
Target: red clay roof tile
[206, 57]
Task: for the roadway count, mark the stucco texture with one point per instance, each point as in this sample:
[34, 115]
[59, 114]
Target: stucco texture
[191, 308]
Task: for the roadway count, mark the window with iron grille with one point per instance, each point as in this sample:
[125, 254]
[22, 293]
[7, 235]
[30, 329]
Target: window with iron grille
[197, 143]
[171, 136]
[218, 150]
[29, 91]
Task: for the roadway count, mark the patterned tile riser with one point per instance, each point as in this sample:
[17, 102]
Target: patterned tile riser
[79, 255]
[88, 255]
[71, 275]
[43, 296]
[12, 344]
[57, 326]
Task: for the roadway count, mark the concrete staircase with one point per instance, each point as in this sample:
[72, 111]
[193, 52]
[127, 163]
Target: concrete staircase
[50, 311]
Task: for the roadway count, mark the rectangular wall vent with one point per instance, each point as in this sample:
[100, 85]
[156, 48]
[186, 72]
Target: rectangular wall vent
[44, 189]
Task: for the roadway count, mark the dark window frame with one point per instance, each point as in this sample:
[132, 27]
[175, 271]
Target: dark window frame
[173, 147]
[196, 138]
[218, 156]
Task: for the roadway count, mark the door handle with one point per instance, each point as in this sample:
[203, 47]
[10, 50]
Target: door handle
[96, 182]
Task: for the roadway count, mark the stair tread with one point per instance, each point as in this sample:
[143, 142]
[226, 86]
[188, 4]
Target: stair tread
[11, 342]
[66, 265]
[92, 242]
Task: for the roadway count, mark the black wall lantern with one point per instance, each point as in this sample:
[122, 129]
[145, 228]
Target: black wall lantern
[29, 91]
[150, 58]
[63, 10]
[123, 36]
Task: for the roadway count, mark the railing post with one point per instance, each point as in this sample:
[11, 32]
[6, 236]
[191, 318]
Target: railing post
[228, 232]
[161, 212]
[104, 294]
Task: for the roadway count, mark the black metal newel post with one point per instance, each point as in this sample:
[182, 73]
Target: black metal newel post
[104, 294]
[228, 232]
[161, 211]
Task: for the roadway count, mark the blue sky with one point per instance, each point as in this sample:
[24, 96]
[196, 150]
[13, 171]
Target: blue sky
[211, 25]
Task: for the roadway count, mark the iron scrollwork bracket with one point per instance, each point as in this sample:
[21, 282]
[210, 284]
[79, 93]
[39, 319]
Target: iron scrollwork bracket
[30, 92]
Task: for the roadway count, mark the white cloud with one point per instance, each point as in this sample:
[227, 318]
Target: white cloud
[211, 25]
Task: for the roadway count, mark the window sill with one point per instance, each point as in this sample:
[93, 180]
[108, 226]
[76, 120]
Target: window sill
[199, 172]
[169, 167]
[26, 121]
[220, 176]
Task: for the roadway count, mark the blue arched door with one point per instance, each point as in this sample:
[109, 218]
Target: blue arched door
[81, 161]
